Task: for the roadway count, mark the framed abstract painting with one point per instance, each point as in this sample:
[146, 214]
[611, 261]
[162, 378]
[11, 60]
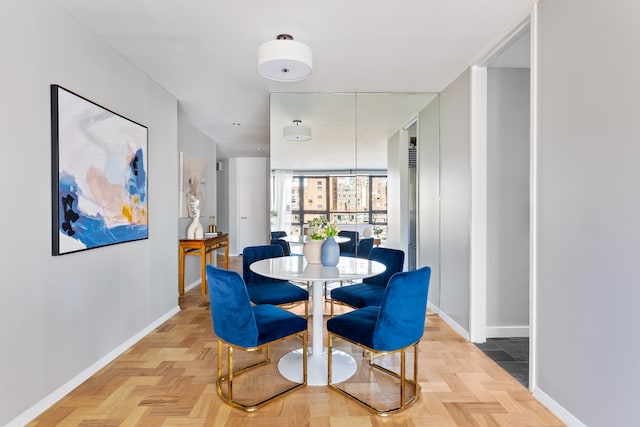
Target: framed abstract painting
[99, 175]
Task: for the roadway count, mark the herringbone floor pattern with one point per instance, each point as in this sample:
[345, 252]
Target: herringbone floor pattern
[168, 379]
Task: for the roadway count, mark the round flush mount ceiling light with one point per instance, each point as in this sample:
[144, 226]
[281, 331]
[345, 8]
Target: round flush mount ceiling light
[297, 132]
[284, 59]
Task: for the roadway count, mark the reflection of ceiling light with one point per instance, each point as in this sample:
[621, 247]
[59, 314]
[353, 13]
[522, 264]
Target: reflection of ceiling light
[297, 132]
[284, 59]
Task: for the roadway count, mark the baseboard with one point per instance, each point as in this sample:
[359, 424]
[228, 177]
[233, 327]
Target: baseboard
[507, 331]
[432, 307]
[65, 389]
[192, 285]
[454, 325]
[557, 409]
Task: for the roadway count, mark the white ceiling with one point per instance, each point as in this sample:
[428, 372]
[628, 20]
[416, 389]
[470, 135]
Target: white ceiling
[205, 52]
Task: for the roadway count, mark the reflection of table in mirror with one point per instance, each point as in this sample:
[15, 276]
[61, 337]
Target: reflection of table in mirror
[296, 268]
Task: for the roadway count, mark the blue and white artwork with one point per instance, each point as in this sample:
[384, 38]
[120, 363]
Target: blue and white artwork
[100, 175]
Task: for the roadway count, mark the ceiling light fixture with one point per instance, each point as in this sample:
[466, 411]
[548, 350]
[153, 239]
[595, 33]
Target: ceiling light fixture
[297, 132]
[284, 59]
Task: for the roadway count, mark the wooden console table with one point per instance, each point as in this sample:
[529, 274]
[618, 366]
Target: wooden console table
[202, 248]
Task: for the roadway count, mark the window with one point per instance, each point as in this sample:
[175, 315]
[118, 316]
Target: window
[353, 199]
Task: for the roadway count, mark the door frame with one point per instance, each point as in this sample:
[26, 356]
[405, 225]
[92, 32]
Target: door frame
[478, 138]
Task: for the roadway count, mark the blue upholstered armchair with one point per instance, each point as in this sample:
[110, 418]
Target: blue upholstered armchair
[265, 290]
[349, 248]
[364, 247]
[371, 290]
[278, 234]
[392, 328]
[239, 325]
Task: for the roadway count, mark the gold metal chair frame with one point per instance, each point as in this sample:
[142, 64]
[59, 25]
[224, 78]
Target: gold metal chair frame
[371, 353]
[231, 373]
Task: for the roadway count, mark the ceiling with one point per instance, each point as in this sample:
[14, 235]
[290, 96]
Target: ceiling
[205, 52]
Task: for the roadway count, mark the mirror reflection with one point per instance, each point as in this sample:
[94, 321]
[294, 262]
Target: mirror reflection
[358, 168]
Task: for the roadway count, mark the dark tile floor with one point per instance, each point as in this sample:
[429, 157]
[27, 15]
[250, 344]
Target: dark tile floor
[512, 354]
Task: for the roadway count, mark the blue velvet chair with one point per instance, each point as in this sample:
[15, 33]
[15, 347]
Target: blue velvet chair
[348, 248]
[371, 290]
[286, 248]
[239, 325]
[364, 247]
[278, 234]
[265, 290]
[393, 327]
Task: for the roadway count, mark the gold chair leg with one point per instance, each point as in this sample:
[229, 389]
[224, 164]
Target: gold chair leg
[404, 402]
[228, 398]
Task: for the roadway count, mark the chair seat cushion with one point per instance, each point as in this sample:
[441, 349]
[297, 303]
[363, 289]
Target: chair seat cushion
[356, 326]
[359, 295]
[276, 292]
[274, 323]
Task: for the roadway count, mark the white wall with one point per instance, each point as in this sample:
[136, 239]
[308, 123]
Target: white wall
[589, 209]
[429, 195]
[507, 202]
[455, 200]
[194, 142]
[59, 315]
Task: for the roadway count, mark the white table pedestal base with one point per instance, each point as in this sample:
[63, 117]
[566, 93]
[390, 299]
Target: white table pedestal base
[343, 367]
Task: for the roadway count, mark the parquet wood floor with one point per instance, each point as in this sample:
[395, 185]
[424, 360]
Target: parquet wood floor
[168, 379]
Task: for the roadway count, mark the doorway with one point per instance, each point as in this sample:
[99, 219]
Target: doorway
[501, 256]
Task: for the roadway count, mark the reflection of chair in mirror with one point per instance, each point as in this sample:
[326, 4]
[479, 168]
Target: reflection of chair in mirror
[390, 329]
[364, 247]
[286, 248]
[371, 290]
[239, 325]
[265, 290]
[348, 248]
[278, 234]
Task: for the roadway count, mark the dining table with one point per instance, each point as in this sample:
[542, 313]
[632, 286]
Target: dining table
[297, 269]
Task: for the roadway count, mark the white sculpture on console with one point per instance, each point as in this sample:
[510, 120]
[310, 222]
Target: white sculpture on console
[195, 230]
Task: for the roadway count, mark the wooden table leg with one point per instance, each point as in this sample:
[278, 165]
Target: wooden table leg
[181, 271]
[203, 261]
[226, 256]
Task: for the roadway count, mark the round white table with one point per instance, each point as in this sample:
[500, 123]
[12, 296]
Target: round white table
[297, 268]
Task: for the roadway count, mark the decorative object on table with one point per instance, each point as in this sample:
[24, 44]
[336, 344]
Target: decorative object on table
[212, 224]
[312, 251]
[195, 230]
[192, 183]
[377, 232]
[330, 254]
[313, 226]
[99, 169]
[367, 231]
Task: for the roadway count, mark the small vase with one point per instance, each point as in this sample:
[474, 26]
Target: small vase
[311, 251]
[330, 254]
[195, 230]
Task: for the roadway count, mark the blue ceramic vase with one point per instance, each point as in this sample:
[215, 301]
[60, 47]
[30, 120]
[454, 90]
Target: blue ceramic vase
[330, 252]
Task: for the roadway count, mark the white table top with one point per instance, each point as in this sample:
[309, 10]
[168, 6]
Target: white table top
[297, 268]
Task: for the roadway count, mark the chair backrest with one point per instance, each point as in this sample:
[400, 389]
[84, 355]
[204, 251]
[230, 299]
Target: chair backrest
[402, 311]
[231, 312]
[286, 248]
[364, 247]
[393, 259]
[348, 248]
[278, 234]
[251, 254]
